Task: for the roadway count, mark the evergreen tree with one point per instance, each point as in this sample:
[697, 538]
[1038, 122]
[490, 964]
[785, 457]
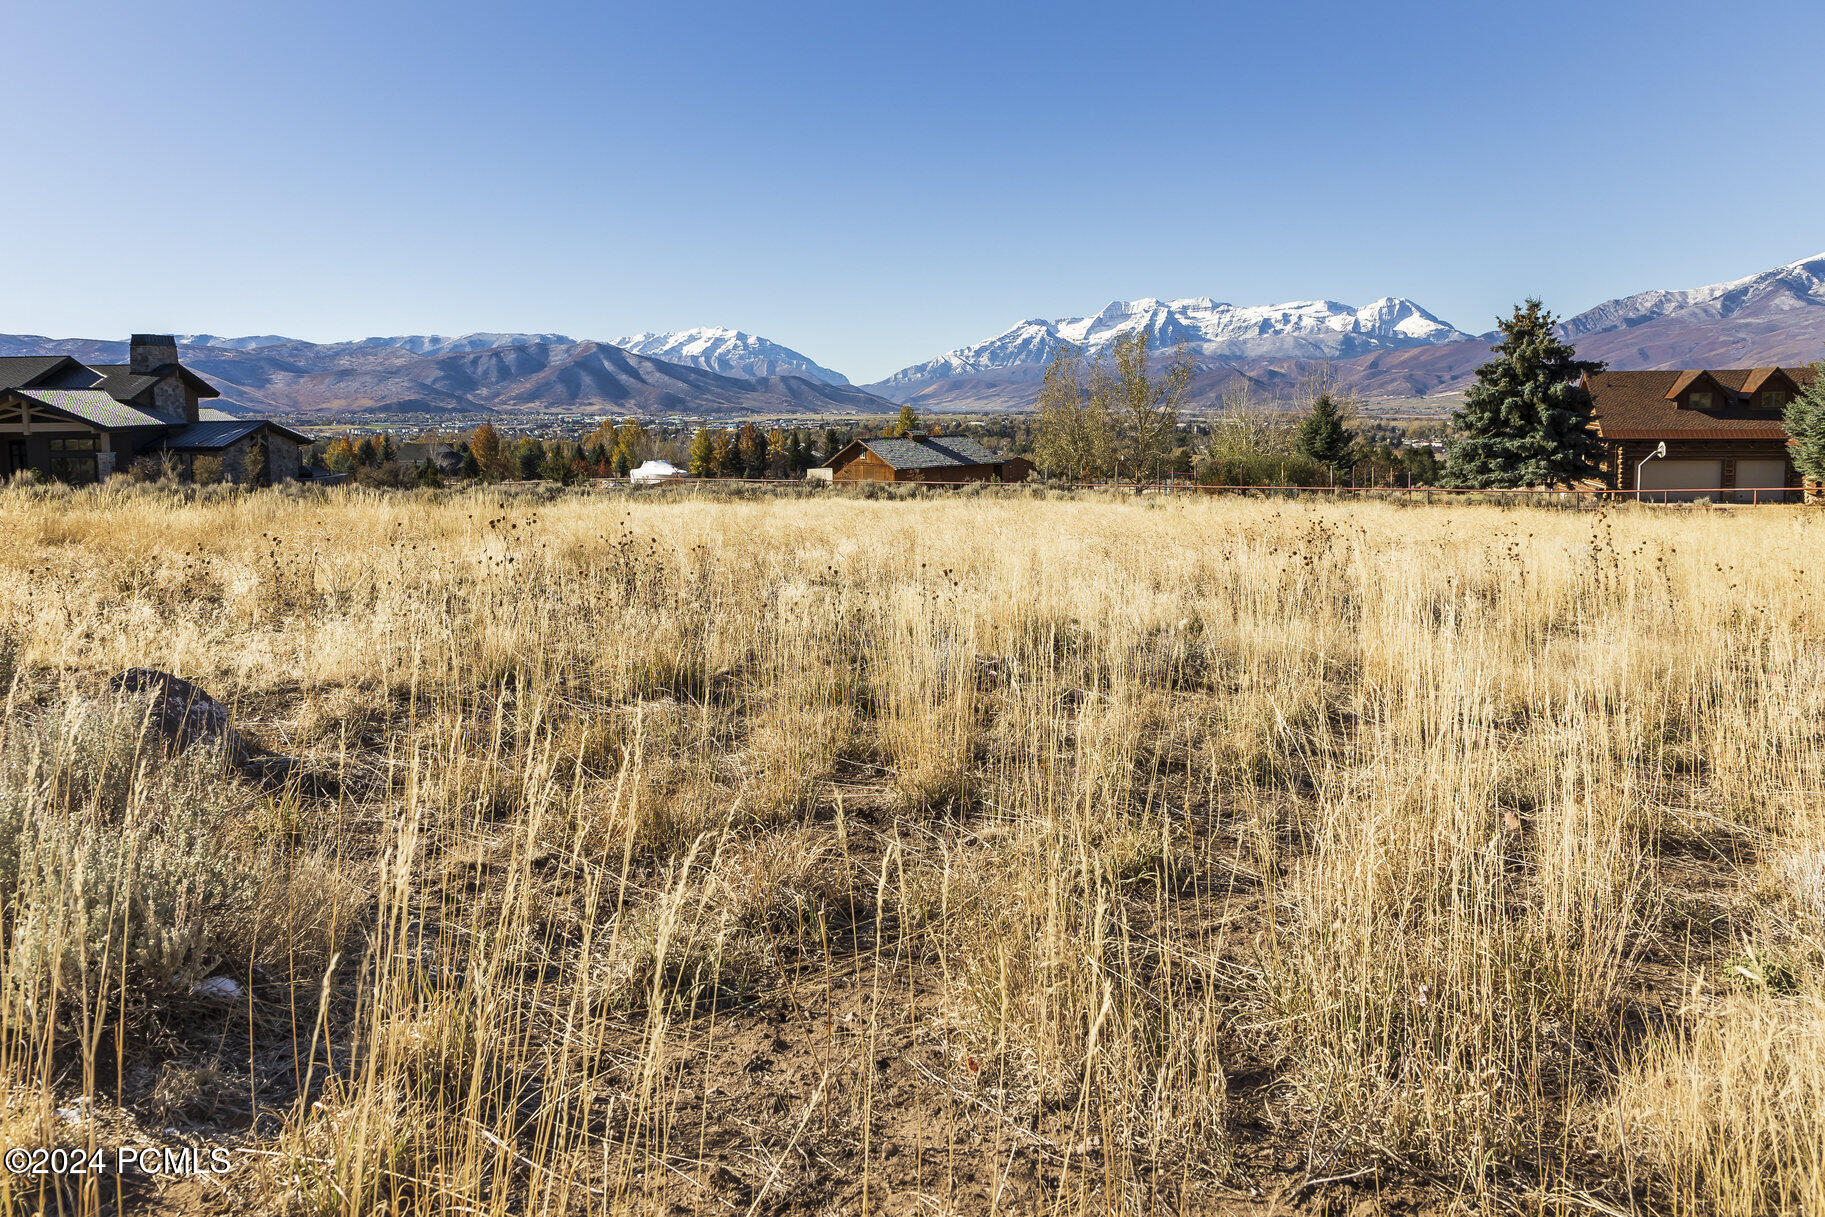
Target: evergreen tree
[1322, 437]
[471, 467]
[365, 452]
[528, 456]
[387, 450]
[795, 452]
[1527, 420]
[703, 454]
[621, 467]
[907, 423]
[832, 445]
[1804, 419]
[1421, 465]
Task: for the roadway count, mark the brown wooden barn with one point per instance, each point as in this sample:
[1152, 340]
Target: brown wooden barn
[924, 458]
[1722, 429]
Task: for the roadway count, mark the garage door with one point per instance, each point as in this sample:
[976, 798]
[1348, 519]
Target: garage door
[1760, 481]
[1675, 480]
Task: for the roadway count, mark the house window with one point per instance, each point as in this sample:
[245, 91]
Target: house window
[73, 459]
[1700, 399]
[1774, 399]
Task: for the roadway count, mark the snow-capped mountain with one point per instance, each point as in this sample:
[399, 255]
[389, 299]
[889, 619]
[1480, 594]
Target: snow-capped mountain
[730, 352]
[1316, 329]
[438, 344]
[1784, 290]
[249, 342]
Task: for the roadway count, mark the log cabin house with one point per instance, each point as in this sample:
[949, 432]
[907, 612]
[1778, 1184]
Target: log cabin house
[1722, 428]
[77, 422]
[924, 458]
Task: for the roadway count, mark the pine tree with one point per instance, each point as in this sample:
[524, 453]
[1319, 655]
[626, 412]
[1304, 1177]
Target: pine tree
[1804, 419]
[831, 444]
[1527, 420]
[1322, 437]
[471, 467]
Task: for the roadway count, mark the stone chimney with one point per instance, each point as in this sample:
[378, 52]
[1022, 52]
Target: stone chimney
[147, 353]
[150, 352]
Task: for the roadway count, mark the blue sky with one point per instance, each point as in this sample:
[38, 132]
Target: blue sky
[874, 183]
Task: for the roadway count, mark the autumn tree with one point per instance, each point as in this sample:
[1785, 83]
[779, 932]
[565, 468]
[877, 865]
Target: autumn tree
[489, 450]
[703, 454]
[907, 423]
[339, 457]
[1143, 406]
[1074, 436]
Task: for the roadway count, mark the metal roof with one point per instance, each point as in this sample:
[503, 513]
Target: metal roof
[926, 452]
[94, 406]
[214, 435]
[219, 433]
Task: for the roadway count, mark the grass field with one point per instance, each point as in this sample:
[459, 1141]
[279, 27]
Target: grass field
[954, 855]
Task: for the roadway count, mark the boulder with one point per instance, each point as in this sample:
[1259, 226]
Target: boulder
[185, 717]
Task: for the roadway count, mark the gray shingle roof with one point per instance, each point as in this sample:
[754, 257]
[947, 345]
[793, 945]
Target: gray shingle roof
[121, 382]
[17, 371]
[931, 453]
[124, 370]
[94, 406]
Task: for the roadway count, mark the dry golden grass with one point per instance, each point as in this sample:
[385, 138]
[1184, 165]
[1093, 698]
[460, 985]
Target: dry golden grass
[946, 855]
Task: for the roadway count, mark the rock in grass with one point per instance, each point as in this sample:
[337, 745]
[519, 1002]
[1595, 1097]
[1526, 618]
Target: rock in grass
[186, 717]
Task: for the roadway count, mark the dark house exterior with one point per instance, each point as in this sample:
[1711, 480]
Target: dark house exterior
[924, 458]
[78, 422]
[1722, 429]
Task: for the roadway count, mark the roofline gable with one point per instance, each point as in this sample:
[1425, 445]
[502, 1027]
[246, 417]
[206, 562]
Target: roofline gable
[1691, 377]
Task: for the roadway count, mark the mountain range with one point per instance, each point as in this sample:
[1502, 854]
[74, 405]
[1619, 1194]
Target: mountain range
[1307, 329]
[522, 375]
[1391, 348]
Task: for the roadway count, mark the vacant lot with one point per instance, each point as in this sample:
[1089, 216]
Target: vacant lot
[958, 855]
